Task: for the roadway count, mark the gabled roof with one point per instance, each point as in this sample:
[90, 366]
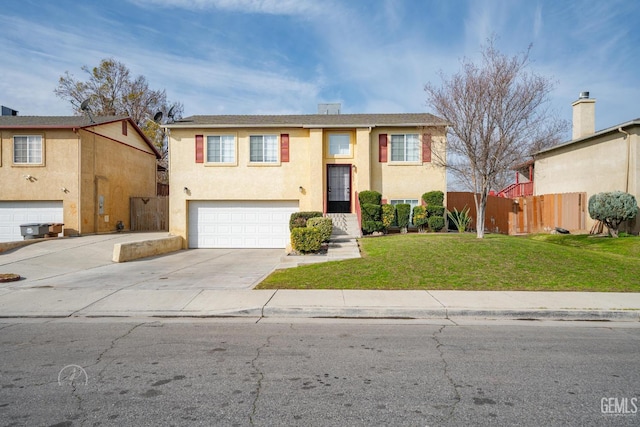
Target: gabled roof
[630, 123]
[69, 122]
[309, 121]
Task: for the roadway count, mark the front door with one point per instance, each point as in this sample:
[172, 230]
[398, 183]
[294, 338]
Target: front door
[338, 188]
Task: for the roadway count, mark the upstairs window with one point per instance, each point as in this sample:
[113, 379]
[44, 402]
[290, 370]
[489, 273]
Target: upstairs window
[405, 148]
[339, 144]
[263, 148]
[27, 150]
[221, 149]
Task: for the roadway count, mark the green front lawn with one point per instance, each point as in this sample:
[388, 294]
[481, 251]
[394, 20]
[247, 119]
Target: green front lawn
[461, 261]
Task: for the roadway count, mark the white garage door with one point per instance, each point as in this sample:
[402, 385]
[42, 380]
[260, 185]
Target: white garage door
[240, 224]
[13, 214]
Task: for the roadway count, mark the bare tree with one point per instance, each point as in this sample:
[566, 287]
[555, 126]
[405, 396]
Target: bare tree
[499, 116]
[113, 92]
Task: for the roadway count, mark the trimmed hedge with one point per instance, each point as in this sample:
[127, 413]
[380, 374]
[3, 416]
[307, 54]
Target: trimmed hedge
[419, 217]
[369, 198]
[371, 212]
[433, 210]
[299, 219]
[306, 240]
[403, 213]
[436, 223]
[433, 198]
[388, 216]
[372, 226]
[324, 225]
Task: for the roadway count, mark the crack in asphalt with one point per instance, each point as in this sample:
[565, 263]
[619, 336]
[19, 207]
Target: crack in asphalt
[446, 372]
[254, 405]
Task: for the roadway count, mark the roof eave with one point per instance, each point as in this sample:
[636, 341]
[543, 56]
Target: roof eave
[602, 132]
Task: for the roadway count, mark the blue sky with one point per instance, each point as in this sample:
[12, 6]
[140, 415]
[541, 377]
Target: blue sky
[286, 56]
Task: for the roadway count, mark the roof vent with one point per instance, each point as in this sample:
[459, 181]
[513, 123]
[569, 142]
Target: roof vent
[584, 95]
[6, 111]
[329, 108]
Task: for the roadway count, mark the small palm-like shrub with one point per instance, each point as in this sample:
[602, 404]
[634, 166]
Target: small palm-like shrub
[460, 220]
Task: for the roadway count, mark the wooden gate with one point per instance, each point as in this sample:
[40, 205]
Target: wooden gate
[149, 214]
[540, 214]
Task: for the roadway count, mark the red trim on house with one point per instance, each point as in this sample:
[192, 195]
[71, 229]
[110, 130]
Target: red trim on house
[382, 145]
[199, 149]
[426, 148]
[284, 147]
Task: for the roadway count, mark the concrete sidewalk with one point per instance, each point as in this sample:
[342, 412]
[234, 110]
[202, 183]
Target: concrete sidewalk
[58, 302]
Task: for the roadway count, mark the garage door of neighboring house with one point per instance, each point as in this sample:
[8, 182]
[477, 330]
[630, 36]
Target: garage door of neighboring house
[240, 224]
[13, 214]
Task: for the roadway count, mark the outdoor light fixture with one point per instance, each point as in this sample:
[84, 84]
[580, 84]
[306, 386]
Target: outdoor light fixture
[186, 190]
[27, 177]
[64, 190]
[301, 189]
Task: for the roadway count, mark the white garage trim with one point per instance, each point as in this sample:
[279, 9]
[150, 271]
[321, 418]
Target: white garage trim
[240, 224]
[14, 214]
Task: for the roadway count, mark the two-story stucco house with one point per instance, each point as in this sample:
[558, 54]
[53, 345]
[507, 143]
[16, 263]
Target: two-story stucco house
[236, 179]
[592, 162]
[72, 170]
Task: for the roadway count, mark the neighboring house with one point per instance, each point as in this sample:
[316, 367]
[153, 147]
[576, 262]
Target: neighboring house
[236, 179]
[592, 162]
[73, 171]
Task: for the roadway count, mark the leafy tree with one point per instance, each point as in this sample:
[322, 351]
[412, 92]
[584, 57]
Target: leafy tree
[113, 91]
[499, 116]
[612, 208]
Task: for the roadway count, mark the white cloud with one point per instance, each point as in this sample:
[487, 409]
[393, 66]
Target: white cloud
[271, 7]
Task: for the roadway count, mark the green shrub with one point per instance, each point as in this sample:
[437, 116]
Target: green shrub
[370, 197]
[324, 225]
[306, 240]
[388, 216]
[369, 227]
[436, 223]
[419, 218]
[612, 208]
[460, 220]
[299, 219]
[403, 213]
[371, 212]
[433, 198]
[433, 210]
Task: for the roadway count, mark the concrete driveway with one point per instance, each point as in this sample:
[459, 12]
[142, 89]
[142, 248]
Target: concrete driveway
[85, 262]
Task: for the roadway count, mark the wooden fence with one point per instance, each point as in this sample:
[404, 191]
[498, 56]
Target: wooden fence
[496, 216]
[540, 214]
[149, 214]
[524, 215]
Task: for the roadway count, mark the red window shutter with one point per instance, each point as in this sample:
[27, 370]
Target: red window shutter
[284, 147]
[383, 202]
[426, 147]
[199, 149]
[382, 143]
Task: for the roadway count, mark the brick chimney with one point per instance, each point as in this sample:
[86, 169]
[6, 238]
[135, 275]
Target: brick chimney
[584, 116]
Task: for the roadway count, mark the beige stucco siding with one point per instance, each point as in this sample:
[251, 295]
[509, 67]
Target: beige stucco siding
[116, 172]
[592, 166]
[396, 180]
[114, 132]
[47, 181]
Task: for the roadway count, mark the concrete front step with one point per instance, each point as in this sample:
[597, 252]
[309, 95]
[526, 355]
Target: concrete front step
[344, 225]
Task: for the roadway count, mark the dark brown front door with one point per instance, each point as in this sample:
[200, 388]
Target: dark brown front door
[338, 188]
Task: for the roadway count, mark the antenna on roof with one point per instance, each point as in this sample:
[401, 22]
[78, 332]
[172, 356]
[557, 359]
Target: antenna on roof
[85, 107]
[158, 117]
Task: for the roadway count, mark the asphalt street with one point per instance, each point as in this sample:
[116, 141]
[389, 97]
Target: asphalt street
[236, 372]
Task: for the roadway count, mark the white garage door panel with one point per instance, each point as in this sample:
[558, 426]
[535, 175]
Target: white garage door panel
[13, 214]
[240, 224]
